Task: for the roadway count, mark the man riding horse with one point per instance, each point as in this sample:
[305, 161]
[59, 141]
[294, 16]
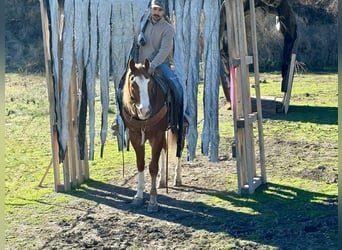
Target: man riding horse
[154, 42]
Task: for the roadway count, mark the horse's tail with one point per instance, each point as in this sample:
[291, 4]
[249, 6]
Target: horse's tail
[171, 141]
[174, 160]
[175, 146]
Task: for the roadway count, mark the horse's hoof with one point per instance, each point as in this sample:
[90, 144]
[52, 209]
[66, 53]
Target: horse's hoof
[177, 183]
[137, 201]
[152, 208]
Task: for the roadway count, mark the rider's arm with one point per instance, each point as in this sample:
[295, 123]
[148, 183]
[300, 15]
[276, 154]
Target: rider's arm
[166, 45]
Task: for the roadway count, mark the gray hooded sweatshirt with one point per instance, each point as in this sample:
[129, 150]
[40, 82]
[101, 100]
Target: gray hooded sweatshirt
[159, 42]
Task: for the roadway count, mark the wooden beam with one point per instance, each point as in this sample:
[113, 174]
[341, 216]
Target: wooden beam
[257, 91]
[49, 82]
[287, 95]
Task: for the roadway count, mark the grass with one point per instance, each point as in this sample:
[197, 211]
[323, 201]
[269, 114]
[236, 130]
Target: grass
[26, 138]
[28, 153]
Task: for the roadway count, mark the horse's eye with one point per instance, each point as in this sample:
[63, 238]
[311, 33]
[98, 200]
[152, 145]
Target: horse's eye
[133, 89]
[132, 95]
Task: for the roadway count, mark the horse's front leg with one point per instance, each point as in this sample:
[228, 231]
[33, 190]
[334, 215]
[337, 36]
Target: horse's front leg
[178, 170]
[139, 149]
[157, 144]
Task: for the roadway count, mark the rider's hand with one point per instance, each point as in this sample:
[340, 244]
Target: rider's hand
[151, 69]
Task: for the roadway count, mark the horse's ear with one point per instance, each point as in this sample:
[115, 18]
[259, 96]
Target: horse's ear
[147, 64]
[131, 64]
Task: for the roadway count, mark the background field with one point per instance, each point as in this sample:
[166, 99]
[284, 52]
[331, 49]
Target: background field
[297, 209]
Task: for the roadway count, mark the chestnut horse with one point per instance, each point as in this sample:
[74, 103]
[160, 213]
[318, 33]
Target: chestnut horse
[145, 114]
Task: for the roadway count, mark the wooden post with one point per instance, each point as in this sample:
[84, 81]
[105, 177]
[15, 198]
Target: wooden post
[73, 122]
[82, 170]
[245, 93]
[66, 171]
[257, 92]
[287, 95]
[49, 81]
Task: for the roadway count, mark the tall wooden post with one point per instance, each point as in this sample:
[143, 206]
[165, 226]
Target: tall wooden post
[49, 81]
[248, 178]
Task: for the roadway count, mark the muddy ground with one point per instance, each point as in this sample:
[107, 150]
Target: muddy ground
[185, 222]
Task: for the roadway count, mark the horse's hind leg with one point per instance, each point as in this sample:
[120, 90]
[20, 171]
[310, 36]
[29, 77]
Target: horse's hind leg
[178, 174]
[178, 170]
[162, 170]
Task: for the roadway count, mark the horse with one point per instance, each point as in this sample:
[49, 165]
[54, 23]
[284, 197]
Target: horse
[144, 111]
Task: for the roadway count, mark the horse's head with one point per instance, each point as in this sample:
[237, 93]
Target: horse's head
[140, 86]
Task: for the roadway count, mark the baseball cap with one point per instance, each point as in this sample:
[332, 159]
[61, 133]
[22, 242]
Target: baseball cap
[158, 3]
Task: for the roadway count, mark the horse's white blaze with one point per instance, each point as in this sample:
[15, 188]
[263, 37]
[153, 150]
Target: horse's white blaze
[141, 185]
[144, 106]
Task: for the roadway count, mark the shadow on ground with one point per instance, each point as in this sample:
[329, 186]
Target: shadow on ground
[271, 216]
[313, 114]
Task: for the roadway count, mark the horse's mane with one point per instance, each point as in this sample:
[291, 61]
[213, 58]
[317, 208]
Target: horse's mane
[126, 98]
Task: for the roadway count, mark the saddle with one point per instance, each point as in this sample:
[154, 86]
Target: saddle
[174, 108]
[176, 118]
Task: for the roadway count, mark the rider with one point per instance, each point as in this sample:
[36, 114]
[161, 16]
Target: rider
[155, 42]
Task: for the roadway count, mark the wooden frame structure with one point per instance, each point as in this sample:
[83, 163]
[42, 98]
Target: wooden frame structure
[248, 176]
[74, 171]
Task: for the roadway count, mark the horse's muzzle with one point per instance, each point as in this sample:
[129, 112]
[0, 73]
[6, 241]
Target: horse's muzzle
[144, 112]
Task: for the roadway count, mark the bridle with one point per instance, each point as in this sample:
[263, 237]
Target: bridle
[143, 124]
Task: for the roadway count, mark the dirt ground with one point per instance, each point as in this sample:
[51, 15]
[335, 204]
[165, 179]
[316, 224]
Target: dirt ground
[275, 217]
[185, 222]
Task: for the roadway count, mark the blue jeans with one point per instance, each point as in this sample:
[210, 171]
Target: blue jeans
[170, 75]
[178, 89]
